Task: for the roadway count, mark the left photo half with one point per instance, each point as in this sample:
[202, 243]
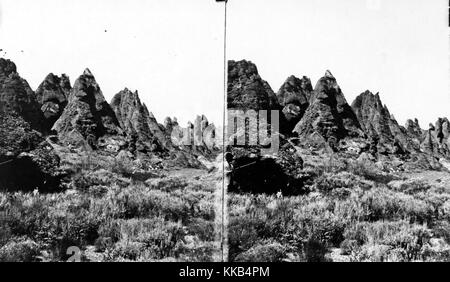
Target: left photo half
[110, 131]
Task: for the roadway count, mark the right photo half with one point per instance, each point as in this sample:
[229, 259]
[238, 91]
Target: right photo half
[337, 141]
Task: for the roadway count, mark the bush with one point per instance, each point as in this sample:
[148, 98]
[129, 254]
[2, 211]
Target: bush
[263, 252]
[369, 171]
[382, 203]
[147, 239]
[343, 181]
[392, 241]
[19, 250]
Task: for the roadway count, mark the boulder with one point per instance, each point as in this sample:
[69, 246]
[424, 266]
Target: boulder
[27, 161]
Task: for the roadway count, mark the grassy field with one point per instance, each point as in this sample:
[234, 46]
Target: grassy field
[117, 209]
[112, 212]
[352, 212]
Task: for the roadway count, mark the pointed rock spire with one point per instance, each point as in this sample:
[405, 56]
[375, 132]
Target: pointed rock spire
[329, 114]
[16, 96]
[88, 117]
[294, 96]
[379, 124]
[52, 95]
[247, 90]
[87, 72]
[144, 132]
[328, 74]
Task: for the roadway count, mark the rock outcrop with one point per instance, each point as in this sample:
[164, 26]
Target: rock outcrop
[52, 95]
[380, 125]
[436, 139]
[17, 97]
[329, 114]
[157, 129]
[256, 172]
[294, 96]
[88, 118]
[413, 128]
[247, 90]
[27, 161]
[140, 126]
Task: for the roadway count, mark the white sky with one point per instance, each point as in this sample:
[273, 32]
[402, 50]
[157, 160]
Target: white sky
[400, 50]
[171, 50]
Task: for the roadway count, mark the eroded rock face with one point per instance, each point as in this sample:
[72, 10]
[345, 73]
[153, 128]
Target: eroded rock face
[247, 90]
[413, 128]
[436, 139]
[373, 116]
[139, 124]
[89, 118]
[16, 96]
[294, 96]
[380, 125]
[52, 95]
[157, 130]
[328, 114]
[255, 171]
[27, 161]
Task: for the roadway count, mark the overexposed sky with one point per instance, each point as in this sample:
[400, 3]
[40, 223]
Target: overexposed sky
[399, 48]
[171, 50]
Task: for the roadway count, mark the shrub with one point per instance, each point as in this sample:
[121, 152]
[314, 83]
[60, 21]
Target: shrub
[412, 187]
[382, 203]
[314, 251]
[19, 250]
[344, 181]
[393, 241]
[267, 251]
[147, 238]
[369, 171]
[202, 228]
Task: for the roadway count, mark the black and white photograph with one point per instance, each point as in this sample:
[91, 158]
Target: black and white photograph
[224, 131]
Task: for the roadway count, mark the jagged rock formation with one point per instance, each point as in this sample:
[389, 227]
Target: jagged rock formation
[257, 172]
[169, 125]
[329, 115]
[89, 118]
[204, 135]
[157, 129]
[52, 95]
[442, 130]
[380, 125]
[294, 96]
[246, 89]
[198, 138]
[16, 96]
[413, 128]
[139, 124]
[27, 161]
[436, 138]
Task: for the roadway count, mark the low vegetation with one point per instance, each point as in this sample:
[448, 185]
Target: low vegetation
[122, 211]
[110, 215]
[353, 212]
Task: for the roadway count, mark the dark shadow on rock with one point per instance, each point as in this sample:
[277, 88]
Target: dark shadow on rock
[262, 176]
[24, 174]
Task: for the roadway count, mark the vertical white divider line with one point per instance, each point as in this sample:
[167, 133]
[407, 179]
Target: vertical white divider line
[223, 236]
